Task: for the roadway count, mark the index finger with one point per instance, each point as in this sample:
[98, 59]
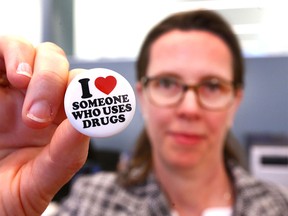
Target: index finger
[46, 89]
[16, 58]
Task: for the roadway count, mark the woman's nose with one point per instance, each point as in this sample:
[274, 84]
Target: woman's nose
[189, 104]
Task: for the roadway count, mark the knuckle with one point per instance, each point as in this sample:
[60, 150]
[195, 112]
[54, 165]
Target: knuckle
[52, 47]
[50, 80]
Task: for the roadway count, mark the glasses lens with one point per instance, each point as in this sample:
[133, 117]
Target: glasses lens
[164, 91]
[215, 93]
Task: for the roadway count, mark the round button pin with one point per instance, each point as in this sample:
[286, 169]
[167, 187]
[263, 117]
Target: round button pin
[99, 102]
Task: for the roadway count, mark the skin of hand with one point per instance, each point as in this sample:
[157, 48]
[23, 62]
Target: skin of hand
[39, 149]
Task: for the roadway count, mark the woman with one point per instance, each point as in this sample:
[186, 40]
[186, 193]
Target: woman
[190, 84]
[190, 80]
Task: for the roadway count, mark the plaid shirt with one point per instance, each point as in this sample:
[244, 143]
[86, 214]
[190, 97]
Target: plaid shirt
[100, 195]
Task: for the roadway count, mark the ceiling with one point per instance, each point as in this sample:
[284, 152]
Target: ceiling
[260, 25]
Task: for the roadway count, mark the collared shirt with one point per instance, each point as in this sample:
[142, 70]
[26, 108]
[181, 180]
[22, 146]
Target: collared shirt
[100, 195]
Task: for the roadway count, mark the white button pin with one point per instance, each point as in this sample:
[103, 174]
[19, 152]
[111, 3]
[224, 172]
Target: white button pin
[99, 102]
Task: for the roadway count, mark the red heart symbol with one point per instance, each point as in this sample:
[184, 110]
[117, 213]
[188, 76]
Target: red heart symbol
[106, 85]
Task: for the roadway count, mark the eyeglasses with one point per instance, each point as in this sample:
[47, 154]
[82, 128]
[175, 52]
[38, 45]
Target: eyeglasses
[212, 93]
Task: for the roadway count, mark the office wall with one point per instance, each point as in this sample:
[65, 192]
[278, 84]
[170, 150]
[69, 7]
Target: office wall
[264, 108]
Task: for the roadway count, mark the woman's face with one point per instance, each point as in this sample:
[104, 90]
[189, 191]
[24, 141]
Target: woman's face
[187, 135]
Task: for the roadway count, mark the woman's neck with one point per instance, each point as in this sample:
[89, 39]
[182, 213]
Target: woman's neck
[195, 189]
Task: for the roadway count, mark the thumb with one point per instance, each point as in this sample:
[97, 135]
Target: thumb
[57, 163]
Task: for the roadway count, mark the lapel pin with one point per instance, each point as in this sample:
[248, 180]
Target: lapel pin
[99, 102]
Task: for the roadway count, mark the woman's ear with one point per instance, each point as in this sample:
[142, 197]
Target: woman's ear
[139, 92]
[238, 98]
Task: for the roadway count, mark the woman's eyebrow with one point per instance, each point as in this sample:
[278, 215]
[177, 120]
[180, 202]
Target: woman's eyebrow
[209, 77]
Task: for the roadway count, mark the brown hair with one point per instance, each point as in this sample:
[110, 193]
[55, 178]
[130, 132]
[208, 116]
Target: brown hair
[141, 162]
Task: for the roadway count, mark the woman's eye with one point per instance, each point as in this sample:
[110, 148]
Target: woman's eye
[167, 83]
[212, 86]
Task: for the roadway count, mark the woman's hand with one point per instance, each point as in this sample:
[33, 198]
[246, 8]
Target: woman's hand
[39, 149]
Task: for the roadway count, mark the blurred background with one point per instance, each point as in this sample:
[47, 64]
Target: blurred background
[109, 33]
[95, 29]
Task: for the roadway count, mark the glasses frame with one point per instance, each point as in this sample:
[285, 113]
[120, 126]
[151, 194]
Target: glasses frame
[145, 80]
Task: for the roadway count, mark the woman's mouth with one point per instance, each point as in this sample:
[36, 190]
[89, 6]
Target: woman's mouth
[187, 139]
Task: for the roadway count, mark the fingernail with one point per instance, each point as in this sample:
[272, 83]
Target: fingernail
[40, 112]
[24, 69]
